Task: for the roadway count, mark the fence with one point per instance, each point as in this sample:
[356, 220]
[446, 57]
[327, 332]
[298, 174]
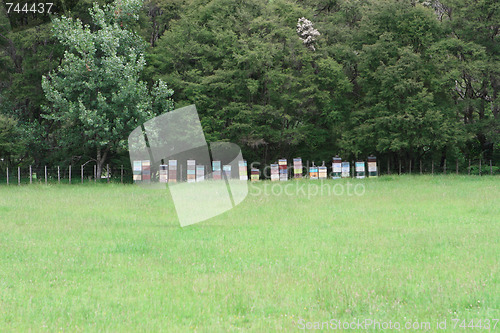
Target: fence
[457, 166]
[74, 174]
[69, 174]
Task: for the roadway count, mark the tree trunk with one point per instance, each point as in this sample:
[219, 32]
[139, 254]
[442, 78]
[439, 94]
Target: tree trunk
[101, 158]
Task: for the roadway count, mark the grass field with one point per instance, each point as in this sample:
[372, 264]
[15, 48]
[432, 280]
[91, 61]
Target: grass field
[113, 257]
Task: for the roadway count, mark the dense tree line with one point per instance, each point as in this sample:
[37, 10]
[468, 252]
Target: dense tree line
[401, 79]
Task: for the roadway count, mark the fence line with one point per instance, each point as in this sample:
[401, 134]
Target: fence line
[121, 174]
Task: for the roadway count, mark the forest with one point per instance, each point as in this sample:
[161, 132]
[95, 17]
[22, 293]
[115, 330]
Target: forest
[404, 80]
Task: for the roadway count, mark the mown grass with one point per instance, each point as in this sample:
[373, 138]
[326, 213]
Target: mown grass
[113, 257]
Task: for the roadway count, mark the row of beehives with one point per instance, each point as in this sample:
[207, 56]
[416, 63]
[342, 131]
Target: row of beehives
[278, 171]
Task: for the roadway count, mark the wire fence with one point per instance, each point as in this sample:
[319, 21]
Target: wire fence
[69, 174]
[459, 166]
[84, 174]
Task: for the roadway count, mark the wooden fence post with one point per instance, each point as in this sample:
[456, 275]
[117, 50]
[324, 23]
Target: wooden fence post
[444, 166]
[31, 176]
[7, 175]
[388, 167]
[491, 168]
[45, 175]
[399, 167]
[18, 176]
[121, 178]
[107, 172]
[95, 173]
[69, 172]
[457, 166]
[432, 167]
[468, 170]
[58, 175]
[480, 167]
[420, 166]
[81, 172]
[410, 166]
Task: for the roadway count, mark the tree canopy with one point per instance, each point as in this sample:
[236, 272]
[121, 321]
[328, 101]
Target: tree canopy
[403, 79]
[96, 95]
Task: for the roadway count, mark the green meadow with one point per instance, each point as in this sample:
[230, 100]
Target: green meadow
[113, 257]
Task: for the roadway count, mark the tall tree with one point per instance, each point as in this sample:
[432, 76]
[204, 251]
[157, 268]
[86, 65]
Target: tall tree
[96, 94]
[470, 62]
[29, 50]
[398, 113]
[11, 140]
[253, 79]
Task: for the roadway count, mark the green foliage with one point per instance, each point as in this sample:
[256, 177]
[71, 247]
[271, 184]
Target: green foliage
[28, 50]
[96, 94]
[404, 108]
[11, 144]
[397, 78]
[473, 57]
[250, 75]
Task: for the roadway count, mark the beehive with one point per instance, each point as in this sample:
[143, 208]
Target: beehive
[163, 173]
[172, 171]
[297, 168]
[283, 169]
[275, 174]
[191, 171]
[216, 170]
[336, 168]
